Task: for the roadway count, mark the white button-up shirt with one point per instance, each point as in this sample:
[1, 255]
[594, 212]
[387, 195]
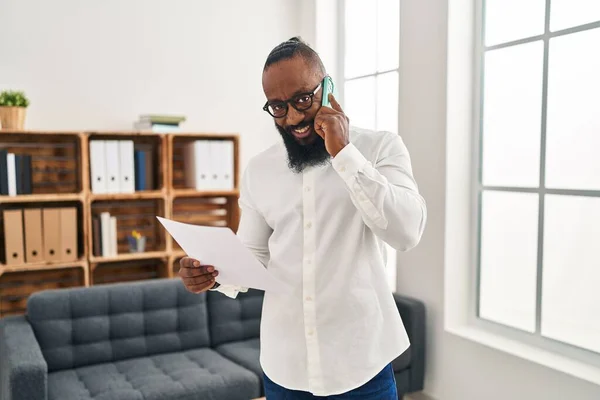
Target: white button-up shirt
[323, 232]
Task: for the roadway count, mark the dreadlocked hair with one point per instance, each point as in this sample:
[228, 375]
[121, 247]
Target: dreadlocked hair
[293, 47]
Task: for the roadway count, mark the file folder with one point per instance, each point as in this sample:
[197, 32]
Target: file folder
[3, 172]
[68, 234]
[98, 166]
[13, 236]
[126, 167]
[112, 166]
[200, 173]
[227, 165]
[105, 234]
[213, 164]
[23, 173]
[140, 169]
[52, 239]
[113, 237]
[12, 174]
[34, 243]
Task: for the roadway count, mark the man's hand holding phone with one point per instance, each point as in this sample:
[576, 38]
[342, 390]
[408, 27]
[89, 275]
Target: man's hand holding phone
[196, 276]
[333, 126]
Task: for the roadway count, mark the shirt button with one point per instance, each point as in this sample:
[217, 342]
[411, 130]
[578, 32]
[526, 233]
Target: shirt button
[308, 225]
[308, 298]
[307, 189]
[310, 332]
[343, 169]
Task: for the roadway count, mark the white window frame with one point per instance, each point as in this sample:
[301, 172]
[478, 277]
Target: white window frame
[541, 190]
[341, 24]
[462, 202]
[392, 255]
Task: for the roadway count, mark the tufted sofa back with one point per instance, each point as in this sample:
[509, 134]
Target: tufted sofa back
[106, 323]
[234, 319]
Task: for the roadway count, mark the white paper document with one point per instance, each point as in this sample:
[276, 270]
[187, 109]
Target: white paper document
[219, 246]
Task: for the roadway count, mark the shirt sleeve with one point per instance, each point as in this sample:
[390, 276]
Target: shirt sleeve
[253, 232]
[385, 194]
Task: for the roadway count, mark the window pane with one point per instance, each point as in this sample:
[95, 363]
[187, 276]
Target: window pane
[508, 20]
[571, 280]
[360, 37]
[569, 13]
[508, 271]
[573, 132]
[388, 34]
[512, 114]
[387, 102]
[359, 102]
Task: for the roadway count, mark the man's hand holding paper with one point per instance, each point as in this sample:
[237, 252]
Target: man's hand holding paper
[219, 249]
[197, 277]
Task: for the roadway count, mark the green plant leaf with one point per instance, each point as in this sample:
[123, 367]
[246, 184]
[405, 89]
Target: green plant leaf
[12, 98]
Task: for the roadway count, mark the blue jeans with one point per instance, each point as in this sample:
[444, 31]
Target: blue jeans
[381, 387]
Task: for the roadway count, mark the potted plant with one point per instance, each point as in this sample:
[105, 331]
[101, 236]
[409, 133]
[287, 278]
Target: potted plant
[12, 109]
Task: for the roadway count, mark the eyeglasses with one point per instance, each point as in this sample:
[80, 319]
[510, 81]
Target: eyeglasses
[301, 102]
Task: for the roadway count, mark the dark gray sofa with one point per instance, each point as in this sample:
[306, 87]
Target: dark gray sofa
[151, 340]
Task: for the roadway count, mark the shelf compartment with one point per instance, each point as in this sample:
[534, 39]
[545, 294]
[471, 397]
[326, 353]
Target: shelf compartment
[155, 147]
[203, 211]
[17, 286]
[56, 159]
[79, 207]
[139, 215]
[177, 143]
[128, 271]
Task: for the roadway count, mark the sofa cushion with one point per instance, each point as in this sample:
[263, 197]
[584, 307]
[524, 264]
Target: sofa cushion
[245, 353]
[104, 323]
[187, 375]
[237, 319]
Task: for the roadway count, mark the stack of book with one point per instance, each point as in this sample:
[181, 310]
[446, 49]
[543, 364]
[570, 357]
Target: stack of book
[159, 123]
[104, 227]
[15, 173]
[209, 164]
[117, 167]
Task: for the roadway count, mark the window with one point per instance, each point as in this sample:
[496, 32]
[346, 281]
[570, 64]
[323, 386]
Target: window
[369, 67]
[538, 184]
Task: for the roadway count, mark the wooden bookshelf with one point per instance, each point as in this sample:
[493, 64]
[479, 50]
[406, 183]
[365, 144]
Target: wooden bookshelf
[40, 198]
[128, 257]
[208, 193]
[61, 177]
[148, 194]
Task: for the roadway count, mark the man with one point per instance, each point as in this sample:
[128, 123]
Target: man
[316, 211]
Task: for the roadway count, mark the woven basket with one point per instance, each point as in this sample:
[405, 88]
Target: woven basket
[12, 118]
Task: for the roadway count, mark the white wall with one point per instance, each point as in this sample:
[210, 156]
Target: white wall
[457, 369]
[99, 64]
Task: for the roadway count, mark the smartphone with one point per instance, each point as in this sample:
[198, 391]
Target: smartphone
[328, 87]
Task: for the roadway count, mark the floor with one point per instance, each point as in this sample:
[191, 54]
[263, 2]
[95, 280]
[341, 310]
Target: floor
[414, 396]
[418, 396]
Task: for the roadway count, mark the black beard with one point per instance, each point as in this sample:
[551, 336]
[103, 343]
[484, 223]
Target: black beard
[301, 156]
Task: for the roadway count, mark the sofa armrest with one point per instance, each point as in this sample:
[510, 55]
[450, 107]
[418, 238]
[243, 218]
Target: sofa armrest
[412, 312]
[23, 369]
